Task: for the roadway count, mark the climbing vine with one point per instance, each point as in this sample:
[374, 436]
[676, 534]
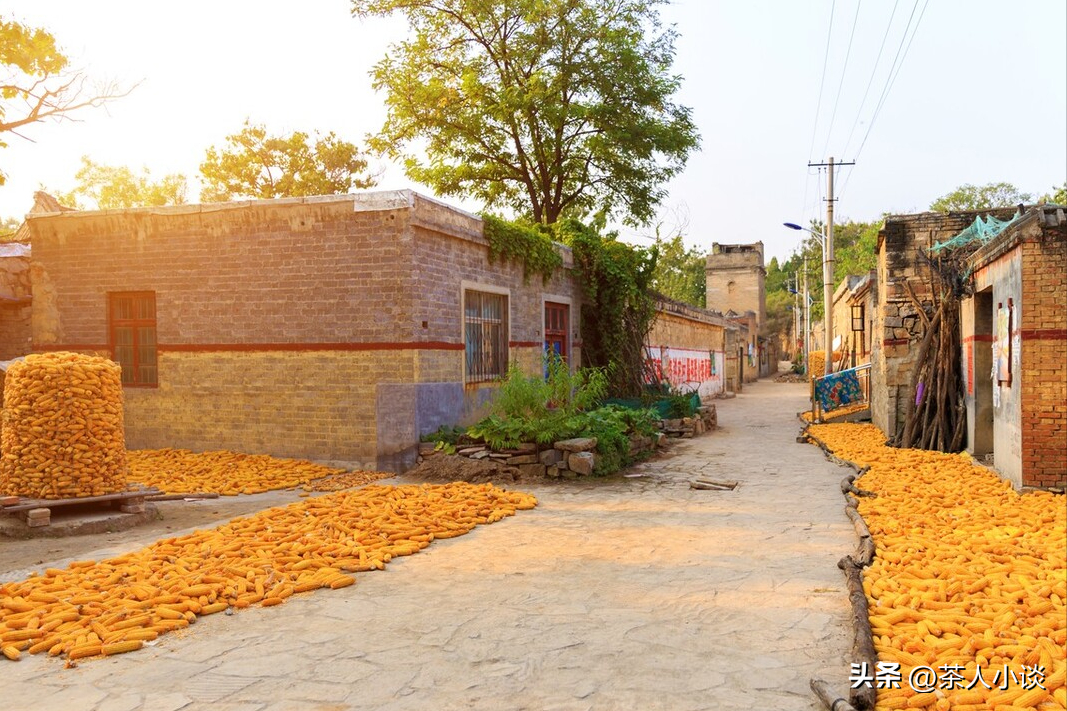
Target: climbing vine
[521, 243]
[619, 309]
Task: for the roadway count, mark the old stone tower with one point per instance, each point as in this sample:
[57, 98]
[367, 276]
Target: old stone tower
[735, 276]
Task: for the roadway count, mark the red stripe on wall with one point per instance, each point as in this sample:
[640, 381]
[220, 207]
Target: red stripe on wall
[979, 338]
[266, 347]
[896, 341]
[525, 344]
[1047, 334]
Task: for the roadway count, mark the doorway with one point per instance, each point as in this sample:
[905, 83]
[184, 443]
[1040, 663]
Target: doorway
[982, 348]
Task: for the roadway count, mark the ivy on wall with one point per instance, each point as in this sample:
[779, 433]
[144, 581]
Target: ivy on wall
[619, 308]
[510, 241]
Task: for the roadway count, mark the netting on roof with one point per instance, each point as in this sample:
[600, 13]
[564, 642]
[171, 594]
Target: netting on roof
[982, 230]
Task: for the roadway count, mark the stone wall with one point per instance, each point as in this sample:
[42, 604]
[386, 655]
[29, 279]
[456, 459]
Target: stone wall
[572, 458]
[15, 301]
[897, 328]
[328, 328]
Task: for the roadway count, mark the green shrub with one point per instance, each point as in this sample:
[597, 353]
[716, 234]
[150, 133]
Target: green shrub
[446, 434]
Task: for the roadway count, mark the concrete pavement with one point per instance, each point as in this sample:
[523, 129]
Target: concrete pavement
[632, 593]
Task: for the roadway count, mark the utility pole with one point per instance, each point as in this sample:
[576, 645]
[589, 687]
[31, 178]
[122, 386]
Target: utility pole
[796, 315]
[807, 321]
[828, 264]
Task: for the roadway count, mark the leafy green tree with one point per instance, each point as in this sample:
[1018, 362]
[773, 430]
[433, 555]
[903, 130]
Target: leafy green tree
[37, 83]
[680, 273]
[985, 197]
[854, 253]
[549, 107]
[109, 187]
[255, 165]
[1058, 196]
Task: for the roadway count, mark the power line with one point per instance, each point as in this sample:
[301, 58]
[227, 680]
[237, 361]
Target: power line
[894, 71]
[844, 70]
[822, 81]
[874, 71]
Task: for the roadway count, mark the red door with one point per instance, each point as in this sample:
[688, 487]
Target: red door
[557, 319]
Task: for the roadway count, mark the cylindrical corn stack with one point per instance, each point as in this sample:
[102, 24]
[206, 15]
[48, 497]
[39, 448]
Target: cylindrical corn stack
[816, 364]
[63, 427]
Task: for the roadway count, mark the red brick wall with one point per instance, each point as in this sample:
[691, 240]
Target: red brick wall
[1044, 375]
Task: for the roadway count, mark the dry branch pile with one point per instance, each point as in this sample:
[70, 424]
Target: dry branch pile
[63, 427]
[966, 573]
[92, 608]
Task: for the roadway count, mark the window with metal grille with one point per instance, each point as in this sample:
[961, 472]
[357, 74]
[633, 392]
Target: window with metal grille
[485, 330]
[131, 319]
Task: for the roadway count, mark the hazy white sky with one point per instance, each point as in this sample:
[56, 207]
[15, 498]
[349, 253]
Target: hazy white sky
[981, 96]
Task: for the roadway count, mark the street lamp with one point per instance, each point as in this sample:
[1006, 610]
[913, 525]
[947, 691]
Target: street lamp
[827, 292]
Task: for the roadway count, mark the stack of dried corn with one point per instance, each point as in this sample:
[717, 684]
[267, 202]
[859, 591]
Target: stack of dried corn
[816, 364]
[179, 471]
[968, 575]
[113, 606]
[63, 428]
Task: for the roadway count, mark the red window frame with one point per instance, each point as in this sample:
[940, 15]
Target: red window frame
[557, 323]
[131, 317]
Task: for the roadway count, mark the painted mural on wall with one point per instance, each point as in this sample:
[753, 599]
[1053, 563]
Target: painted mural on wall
[687, 369]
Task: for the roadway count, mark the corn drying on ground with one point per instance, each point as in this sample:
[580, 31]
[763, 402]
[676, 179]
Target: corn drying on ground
[179, 471]
[114, 606]
[346, 480]
[837, 412]
[967, 572]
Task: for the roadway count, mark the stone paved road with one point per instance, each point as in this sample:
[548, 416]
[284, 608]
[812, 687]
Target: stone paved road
[638, 593]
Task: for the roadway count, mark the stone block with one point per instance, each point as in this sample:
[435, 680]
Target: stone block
[468, 451]
[524, 448]
[550, 457]
[578, 444]
[481, 455]
[552, 472]
[38, 517]
[894, 322]
[522, 459]
[659, 439]
[581, 463]
[132, 506]
[532, 469]
[698, 426]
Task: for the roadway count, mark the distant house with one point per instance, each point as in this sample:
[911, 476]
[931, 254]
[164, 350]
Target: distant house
[1016, 322]
[338, 327]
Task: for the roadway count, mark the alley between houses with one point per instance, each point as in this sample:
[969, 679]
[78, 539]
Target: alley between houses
[636, 592]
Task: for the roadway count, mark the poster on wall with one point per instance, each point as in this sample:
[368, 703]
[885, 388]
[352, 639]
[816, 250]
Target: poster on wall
[1002, 345]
